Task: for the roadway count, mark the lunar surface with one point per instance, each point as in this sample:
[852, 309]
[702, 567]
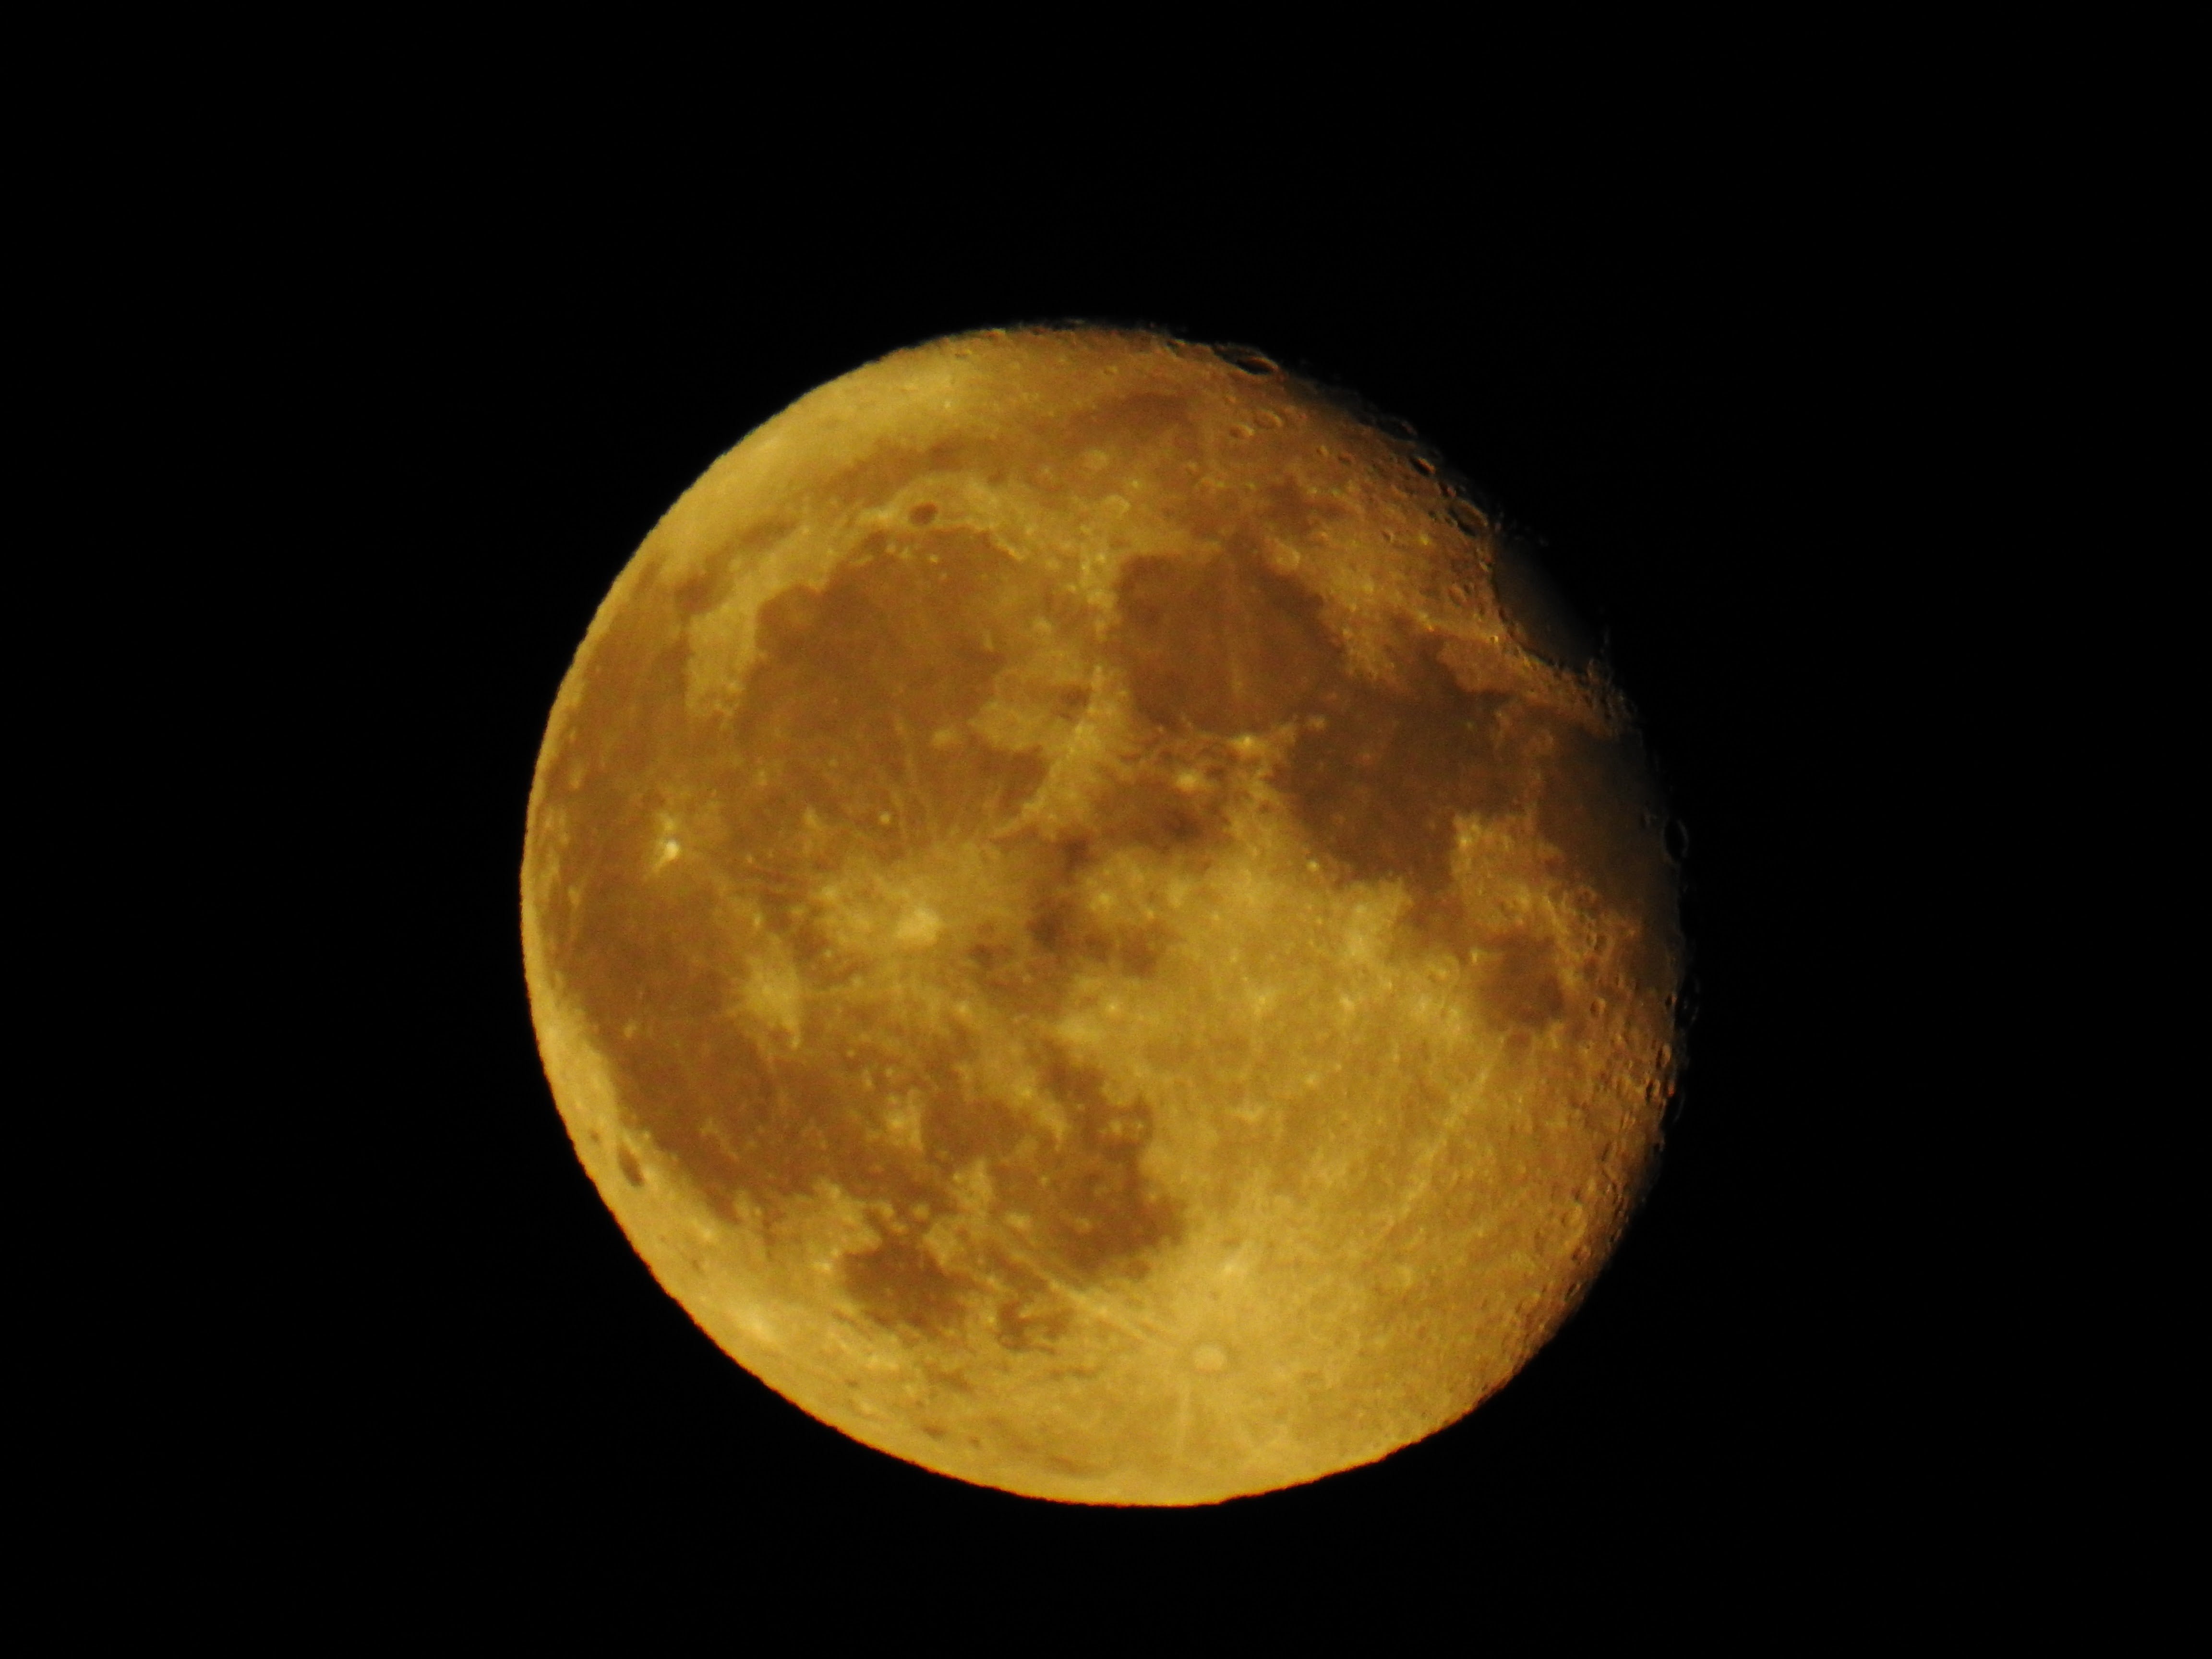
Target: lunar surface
[1091, 928]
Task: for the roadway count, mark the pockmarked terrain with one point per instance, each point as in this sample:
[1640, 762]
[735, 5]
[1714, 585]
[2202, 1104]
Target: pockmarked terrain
[1092, 926]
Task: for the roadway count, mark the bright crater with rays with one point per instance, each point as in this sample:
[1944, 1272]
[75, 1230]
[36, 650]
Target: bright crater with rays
[1088, 928]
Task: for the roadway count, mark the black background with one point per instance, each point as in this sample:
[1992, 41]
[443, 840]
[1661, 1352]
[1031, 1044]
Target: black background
[1687, 390]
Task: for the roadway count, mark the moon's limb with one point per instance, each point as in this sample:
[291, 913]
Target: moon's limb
[1080, 938]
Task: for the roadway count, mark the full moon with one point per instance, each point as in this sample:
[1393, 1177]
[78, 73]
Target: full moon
[1092, 926]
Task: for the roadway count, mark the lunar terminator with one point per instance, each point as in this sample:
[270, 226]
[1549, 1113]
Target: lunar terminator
[1090, 929]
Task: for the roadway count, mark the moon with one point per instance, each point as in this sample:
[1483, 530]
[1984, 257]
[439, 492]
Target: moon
[1093, 925]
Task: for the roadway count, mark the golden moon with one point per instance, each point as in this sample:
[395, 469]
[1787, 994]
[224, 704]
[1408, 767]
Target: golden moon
[1086, 933]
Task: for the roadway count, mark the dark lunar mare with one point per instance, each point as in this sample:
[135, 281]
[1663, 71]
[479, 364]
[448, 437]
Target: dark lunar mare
[849, 748]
